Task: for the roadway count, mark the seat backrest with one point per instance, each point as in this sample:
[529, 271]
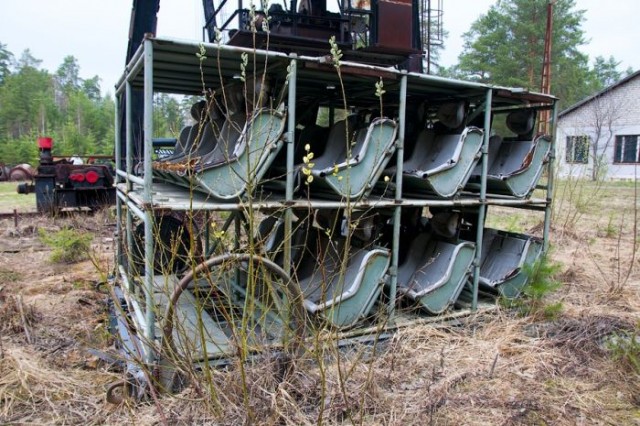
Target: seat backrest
[502, 256]
[270, 234]
[321, 258]
[336, 147]
[435, 263]
[510, 157]
[441, 151]
[432, 150]
[495, 142]
[415, 256]
[186, 143]
[183, 141]
[420, 150]
[228, 139]
[204, 143]
[313, 135]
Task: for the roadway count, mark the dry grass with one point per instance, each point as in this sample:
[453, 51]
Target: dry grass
[491, 368]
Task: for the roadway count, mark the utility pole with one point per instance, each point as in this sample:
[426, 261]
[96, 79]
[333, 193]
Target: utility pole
[545, 84]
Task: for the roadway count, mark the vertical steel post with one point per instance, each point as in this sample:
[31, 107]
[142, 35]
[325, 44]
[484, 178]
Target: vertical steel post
[149, 332]
[397, 214]
[207, 231]
[482, 211]
[548, 211]
[291, 134]
[129, 185]
[118, 140]
[129, 135]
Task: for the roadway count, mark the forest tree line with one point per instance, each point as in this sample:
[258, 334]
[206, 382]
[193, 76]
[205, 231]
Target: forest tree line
[503, 46]
[73, 111]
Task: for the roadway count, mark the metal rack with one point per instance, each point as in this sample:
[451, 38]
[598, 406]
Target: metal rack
[182, 67]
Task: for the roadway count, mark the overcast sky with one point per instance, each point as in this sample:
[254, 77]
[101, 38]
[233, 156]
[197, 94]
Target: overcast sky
[96, 31]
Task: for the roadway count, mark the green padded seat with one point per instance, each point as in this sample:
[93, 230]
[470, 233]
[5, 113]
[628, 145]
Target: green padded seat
[504, 255]
[238, 161]
[441, 164]
[342, 294]
[515, 164]
[518, 167]
[336, 176]
[434, 272]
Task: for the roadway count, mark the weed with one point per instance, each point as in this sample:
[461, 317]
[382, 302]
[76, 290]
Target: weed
[625, 350]
[610, 231]
[7, 275]
[541, 281]
[68, 245]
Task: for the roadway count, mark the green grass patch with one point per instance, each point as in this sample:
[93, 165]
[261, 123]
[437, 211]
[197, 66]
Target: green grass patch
[68, 245]
[541, 281]
[8, 276]
[10, 199]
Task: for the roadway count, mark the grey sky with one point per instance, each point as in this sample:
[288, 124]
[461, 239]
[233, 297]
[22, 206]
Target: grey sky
[96, 31]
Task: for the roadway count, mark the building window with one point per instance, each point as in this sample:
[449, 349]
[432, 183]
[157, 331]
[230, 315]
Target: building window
[626, 150]
[578, 149]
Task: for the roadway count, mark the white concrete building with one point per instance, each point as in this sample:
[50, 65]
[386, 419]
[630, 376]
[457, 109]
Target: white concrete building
[601, 134]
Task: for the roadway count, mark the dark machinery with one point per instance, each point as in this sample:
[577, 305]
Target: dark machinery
[60, 184]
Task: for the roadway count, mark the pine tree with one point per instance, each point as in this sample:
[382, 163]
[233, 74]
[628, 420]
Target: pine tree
[506, 47]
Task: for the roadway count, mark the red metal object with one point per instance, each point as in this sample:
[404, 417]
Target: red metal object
[92, 176]
[78, 177]
[45, 142]
[395, 30]
[21, 172]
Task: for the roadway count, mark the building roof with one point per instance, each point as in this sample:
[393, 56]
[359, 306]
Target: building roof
[600, 93]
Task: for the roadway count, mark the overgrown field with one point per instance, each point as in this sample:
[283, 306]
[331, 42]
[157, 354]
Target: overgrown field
[10, 199]
[574, 358]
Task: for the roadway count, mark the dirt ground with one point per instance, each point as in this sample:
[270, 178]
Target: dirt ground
[564, 366]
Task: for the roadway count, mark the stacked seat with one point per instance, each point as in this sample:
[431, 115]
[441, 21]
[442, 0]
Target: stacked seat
[353, 161]
[444, 155]
[504, 255]
[515, 164]
[340, 283]
[238, 160]
[441, 164]
[434, 271]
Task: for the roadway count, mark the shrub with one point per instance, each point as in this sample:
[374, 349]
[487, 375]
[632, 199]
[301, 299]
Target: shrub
[541, 282]
[625, 350]
[68, 245]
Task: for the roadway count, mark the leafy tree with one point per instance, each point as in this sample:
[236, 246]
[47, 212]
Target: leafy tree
[6, 60]
[25, 98]
[34, 102]
[606, 71]
[27, 60]
[506, 46]
[68, 75]
[168, 117]
[91, 88]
